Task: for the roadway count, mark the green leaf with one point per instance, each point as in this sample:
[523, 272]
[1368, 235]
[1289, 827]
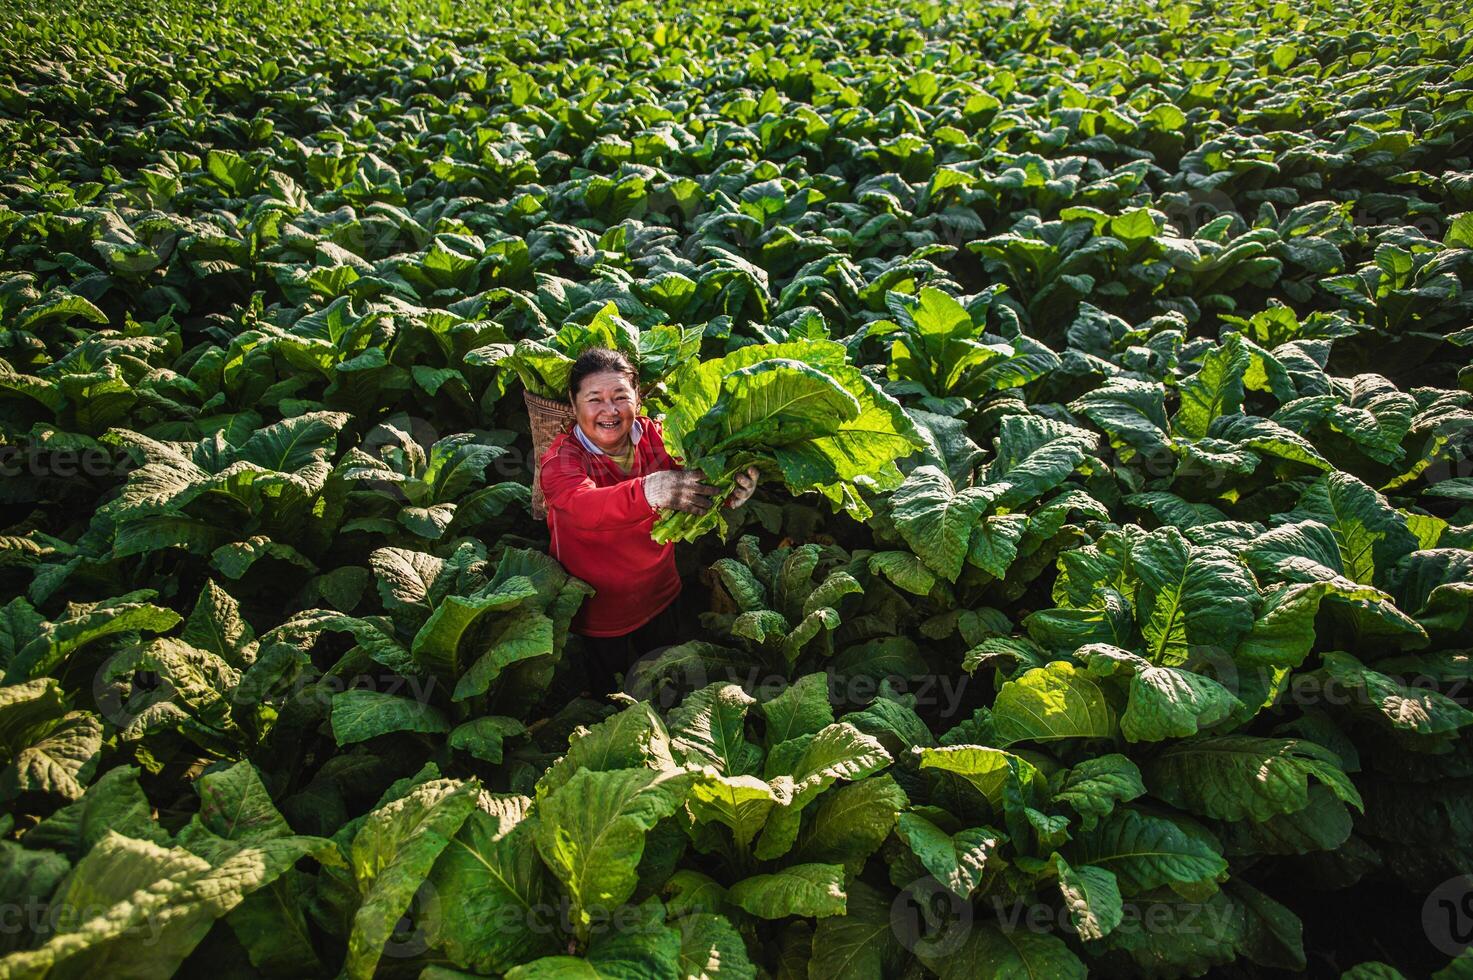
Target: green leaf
[936, 520]
[986, 769]
[860, 944]
[814, 763]
[406, 579]
[296, 443]
[1132, 412]
[712, 949]
[1324, 825]
[1094, 785]
[235, 805]
[1005, 653]
[216, 625]
[1214, 391]
[428, 522]
[1146, 852]
[761, 626]
[800, 407]
[1171, 509]
[690, 891]
[1243, 777]
[850, 823]
[904, 570]
[743, 587]
[152, 905]
[272, 927]
[629, 739]
[1034, 455]
[233, 560]
[774, 402]
[1283, 633]
[1164, 702]
[61, 638]
[812, 624]
[1372, 971]
[19, 623]
[801, 889]
[708, 729]
[591, 829]
[1108, 618]
[1238, 922]
[1374, 413]
[114, 802]
[1092, 897]
[1459, 231]
[490, 886]
[990, 952]
[801, 709]
[1267, 438]
[1370, 535]
[358, 715]
[390, 856]
[643, 948]
[741, 803]
[28, 877]
[521, 635]
[958, 861]
[1460, 968]
[59, 762]
[995, 542]
[1190, 597]
[236, 813]
[1417, 711]
[230, 170]
[196, 689]
[1437, 586]
[437, 645]
[1105, 564]
[57, 307]
[1055, 701]
[482, 737]
[30, 707]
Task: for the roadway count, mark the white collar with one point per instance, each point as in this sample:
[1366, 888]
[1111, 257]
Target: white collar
[635, 432]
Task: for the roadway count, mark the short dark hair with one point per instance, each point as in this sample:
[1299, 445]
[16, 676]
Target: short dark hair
[596, 360]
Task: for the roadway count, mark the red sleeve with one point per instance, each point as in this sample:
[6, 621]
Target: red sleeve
[582, 503]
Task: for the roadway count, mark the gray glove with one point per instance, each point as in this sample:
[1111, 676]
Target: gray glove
[680, 490]
[746, 485]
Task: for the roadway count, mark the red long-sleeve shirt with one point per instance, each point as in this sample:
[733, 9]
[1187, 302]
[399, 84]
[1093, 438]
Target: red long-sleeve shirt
[600, 525]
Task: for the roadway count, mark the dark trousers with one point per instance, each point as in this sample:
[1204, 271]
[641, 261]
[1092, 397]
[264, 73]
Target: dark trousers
[607, 659]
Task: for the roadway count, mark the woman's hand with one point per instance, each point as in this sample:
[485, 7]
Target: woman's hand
[680, 490]
[746, 485]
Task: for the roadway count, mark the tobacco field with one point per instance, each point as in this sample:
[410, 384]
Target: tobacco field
[1106, 606]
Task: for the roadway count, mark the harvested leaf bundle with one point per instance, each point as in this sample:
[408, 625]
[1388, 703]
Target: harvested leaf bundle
[797, 411]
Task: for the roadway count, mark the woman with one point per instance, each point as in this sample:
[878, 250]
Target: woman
[605, 481]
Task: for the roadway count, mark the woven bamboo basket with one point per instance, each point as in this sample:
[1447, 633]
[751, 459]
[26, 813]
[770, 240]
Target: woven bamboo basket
[548, 418]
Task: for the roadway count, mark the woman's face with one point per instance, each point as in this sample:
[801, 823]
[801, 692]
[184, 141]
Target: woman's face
[605, 406]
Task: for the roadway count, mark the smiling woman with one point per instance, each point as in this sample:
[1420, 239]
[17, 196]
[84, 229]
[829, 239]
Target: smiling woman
[606, 480]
